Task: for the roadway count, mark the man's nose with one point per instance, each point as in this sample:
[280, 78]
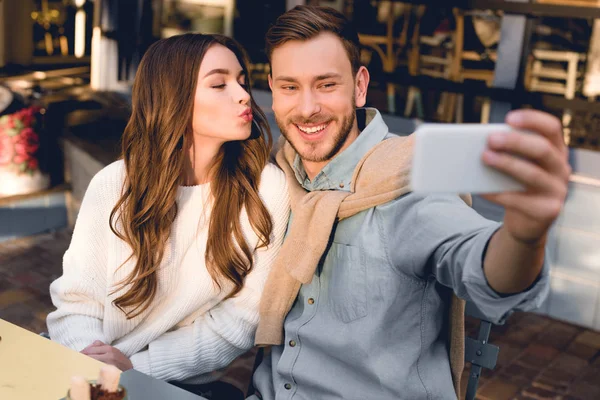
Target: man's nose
[309, 105]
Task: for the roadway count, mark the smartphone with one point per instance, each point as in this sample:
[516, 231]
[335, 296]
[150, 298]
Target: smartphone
[447, 159]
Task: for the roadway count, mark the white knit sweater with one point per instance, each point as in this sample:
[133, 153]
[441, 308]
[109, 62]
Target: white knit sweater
[188, 333]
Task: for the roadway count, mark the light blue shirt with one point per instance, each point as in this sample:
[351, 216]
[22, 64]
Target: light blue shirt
[373, 323]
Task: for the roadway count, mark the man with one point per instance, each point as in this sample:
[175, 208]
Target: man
[370, 322]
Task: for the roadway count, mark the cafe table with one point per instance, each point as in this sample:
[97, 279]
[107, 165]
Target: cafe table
[35, 368]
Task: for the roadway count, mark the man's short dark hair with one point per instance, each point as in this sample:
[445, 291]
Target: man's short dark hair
[307, 22]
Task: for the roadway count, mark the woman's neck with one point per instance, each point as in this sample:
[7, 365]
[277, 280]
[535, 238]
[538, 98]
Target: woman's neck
[200, 163]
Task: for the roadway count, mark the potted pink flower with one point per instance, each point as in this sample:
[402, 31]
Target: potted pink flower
[19, 145]
[18, 140]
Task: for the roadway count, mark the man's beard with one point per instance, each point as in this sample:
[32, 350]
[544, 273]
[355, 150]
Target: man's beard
[338, 139]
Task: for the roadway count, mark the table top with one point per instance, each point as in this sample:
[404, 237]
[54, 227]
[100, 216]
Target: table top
[143, 387]
[35, 368]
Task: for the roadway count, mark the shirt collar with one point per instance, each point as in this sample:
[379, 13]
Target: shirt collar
[337, 174]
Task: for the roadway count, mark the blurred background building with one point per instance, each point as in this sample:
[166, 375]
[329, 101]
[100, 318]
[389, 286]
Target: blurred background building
[67, 66]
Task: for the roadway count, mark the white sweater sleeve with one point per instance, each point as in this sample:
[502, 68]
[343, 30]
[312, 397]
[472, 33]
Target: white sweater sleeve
[79, 293]
[216, 338]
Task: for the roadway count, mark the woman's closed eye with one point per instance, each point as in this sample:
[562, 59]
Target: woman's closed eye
[223, 85]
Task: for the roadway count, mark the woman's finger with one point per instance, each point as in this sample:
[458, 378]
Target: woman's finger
[94, 350]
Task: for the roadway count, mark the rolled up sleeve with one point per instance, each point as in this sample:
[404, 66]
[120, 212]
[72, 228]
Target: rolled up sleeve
[444, 237]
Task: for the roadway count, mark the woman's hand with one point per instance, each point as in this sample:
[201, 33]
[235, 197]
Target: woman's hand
[108, 354]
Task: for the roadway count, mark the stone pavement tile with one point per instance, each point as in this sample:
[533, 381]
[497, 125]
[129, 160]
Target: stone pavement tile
[25, 278]
[589, 338]
[587, 385]
[30, 315]
[500, 331]
[28, 267]
[564, 370]
[508, 353]
[18, 315]
[497, 389]
[581, 350]
[5, 285]
[14, 296]
[41, 315]
[30, 281]
[558, 335]
[486, 375]
[590, 375]
[585, 391]
[532, 321]
[14, 267]
[518, 374]
[523, 332]
[537, 356]
[540, 393]
[568, 364]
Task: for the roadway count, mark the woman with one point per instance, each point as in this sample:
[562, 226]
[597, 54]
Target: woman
[173, 243]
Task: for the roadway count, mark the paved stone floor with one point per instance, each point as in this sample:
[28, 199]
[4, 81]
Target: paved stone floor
[540, 358]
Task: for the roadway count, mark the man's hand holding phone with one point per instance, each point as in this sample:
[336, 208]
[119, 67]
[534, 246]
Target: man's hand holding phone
[521, 165]
[540, 163]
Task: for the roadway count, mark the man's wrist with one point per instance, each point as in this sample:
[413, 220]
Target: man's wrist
[535, 243]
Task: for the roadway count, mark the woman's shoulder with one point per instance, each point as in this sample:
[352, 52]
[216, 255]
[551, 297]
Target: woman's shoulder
[273, 185]
[109, 180]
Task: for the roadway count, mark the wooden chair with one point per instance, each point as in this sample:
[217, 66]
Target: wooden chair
[389, 48]
[430, 56]
[479, 352]
[557, 72]
[459, 73]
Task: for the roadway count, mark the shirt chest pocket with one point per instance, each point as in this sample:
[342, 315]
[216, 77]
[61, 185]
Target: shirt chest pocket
[347, 278]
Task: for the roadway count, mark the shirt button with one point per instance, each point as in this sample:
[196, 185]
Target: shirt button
[342, 185]
[292, 343]
[287, 386]
[311, 301]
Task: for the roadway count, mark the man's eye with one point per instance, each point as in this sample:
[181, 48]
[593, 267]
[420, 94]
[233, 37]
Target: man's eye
[328, 85]
[289, 88]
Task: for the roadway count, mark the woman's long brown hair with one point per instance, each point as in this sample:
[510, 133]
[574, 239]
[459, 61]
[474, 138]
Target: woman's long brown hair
[154, 148]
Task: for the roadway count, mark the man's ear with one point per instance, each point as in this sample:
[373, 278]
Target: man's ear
[362, 84]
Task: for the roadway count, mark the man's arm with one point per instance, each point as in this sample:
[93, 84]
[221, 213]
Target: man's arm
[515, 254]
[511, 266]
[441, 236]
